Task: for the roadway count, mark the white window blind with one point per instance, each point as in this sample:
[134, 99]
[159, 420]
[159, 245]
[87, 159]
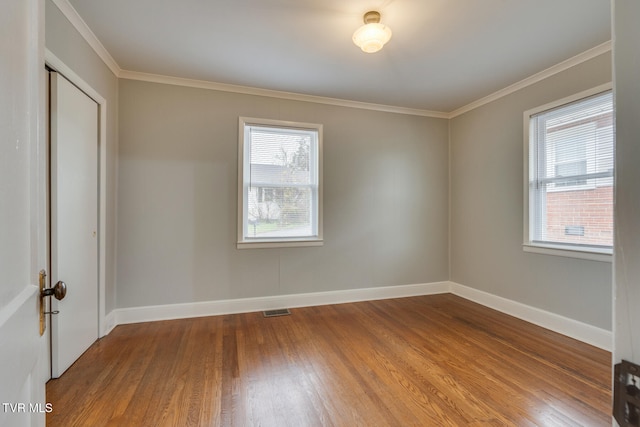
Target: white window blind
[280, 182]
[571, 166]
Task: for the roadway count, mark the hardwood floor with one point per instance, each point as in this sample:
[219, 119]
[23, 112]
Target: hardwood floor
[423, 361]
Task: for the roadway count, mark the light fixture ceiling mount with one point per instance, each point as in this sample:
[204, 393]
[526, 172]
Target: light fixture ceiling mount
[373, 35]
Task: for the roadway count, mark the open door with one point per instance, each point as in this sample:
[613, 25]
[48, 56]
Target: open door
[23, 352]
[74, 221]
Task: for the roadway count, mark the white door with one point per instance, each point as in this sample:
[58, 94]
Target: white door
[23, 352]
[74, 221]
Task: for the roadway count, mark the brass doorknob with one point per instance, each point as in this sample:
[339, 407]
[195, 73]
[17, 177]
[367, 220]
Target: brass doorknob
[58, 291]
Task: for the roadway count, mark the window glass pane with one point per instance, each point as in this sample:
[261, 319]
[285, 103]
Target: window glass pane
[580, 217]
[280, 157]
[285, 212]
[569, 148]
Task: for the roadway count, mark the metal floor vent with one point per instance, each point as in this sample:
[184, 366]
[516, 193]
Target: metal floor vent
[275, 313]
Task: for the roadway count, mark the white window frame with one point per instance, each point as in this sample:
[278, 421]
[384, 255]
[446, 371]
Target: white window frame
[559, 249]
[246, 242]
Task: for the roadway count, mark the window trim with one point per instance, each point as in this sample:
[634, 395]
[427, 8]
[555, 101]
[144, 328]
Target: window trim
[276, 242]
[587, 252]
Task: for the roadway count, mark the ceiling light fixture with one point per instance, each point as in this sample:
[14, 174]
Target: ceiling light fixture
[373, 35]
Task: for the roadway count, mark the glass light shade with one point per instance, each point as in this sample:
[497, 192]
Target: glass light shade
[371, 37]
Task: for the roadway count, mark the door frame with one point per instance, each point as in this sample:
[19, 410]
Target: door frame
[53, 62]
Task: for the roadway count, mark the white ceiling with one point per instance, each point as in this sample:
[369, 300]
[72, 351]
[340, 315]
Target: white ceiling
[444, 54]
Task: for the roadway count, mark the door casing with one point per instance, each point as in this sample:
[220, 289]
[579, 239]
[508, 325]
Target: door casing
[52, 61]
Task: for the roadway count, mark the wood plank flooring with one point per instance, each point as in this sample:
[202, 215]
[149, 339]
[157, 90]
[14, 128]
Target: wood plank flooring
[436, 360]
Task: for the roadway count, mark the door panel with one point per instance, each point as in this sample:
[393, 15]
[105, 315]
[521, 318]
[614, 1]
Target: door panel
[23, 354]
[74, 221]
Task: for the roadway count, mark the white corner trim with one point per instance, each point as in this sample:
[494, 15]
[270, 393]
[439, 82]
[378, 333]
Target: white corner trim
[246, 305]
[109, 323]
[589, 334]
[248, 90]
[555, 69]
[78, 23]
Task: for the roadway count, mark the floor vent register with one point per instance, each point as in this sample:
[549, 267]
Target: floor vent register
[276, 313]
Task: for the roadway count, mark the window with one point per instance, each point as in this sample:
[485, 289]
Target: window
[569, 150]
[280, 183]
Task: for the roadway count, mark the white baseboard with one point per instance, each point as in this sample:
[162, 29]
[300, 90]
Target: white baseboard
[589, 334]
[246, 305]
[109, 323]
[597, 337]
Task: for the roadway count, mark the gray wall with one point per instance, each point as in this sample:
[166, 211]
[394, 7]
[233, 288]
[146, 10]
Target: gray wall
[386, 196]
[385, 199]
[627, 211]
[487, 207]
[65, 42]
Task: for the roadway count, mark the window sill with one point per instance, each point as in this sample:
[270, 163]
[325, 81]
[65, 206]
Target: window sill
[592, 254]
[260, 244]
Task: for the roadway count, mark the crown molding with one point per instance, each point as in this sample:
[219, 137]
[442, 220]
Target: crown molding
[248, 90]
[555, 69]
[81, 26]
[78, 23]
